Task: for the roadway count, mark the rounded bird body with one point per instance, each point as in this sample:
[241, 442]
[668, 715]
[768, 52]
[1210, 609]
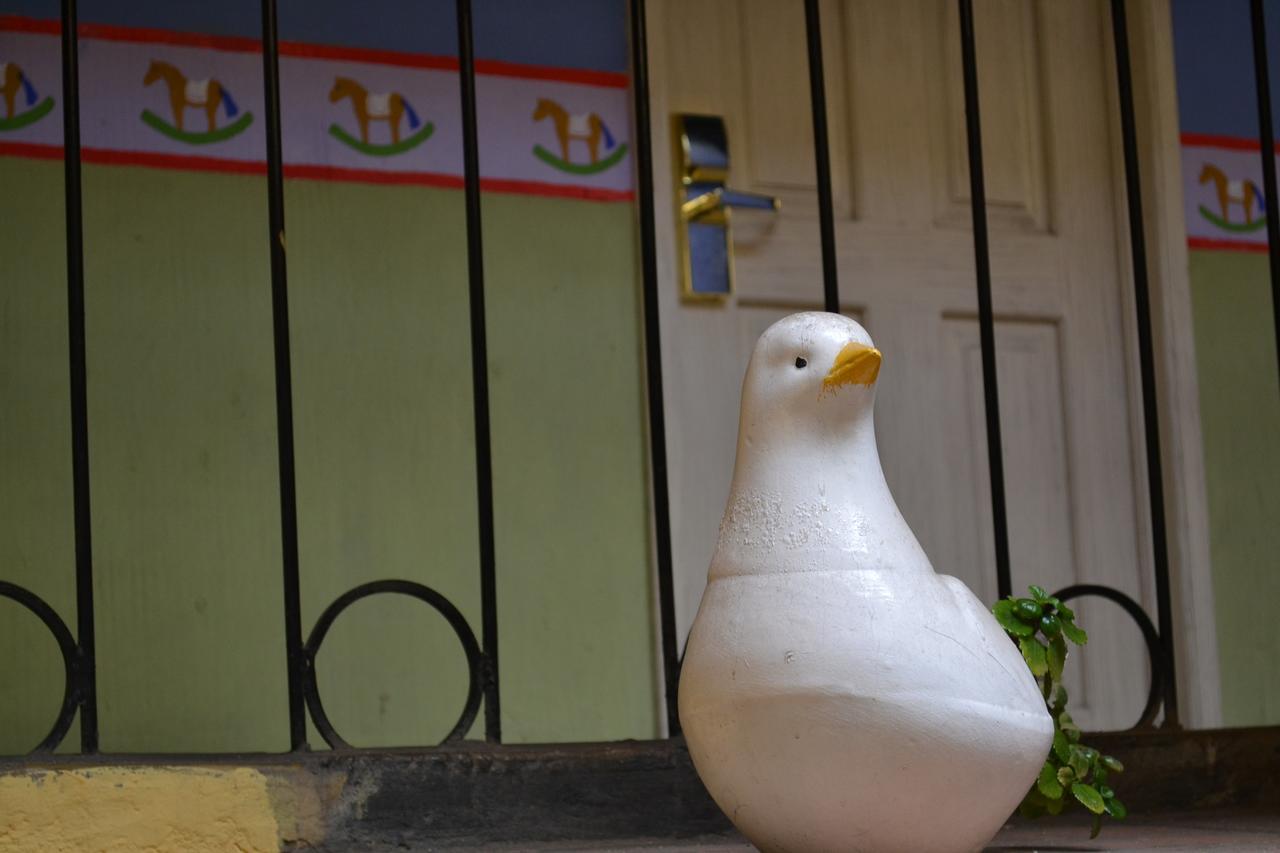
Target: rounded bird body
[836, 693]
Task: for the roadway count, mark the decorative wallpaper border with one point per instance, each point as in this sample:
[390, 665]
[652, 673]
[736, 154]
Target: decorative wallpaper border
[1223, 201]
[173, 100]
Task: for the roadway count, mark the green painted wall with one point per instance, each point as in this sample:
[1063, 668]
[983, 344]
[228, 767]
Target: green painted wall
[183, 448]
[1240, 416]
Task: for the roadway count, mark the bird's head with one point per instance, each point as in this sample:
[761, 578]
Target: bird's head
[810, 374]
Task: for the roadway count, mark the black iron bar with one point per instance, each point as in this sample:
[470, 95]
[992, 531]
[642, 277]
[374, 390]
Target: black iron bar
[986, 320]
[653, 362]
[1146, 357]
[442, 605]
[822, 158]
[86, 690]
[71, 663]
[479, 374]
[1150, 637]
[284, 380]
[1266, 135]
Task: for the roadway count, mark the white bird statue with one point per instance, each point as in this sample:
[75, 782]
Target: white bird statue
[837, 694]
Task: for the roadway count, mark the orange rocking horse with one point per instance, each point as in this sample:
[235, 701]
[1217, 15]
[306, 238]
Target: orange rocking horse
[183, 93]
[12, 80]
[1242, 192]
[585, 126]
[383, 106]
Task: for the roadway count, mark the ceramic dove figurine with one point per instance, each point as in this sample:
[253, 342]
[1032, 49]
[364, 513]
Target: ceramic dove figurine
[837, 694]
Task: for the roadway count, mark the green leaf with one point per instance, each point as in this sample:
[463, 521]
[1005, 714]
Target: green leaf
[1067, 724]
[1079, 762]
[1050, 625]
[1107, 793]
[1097, 826]
[1066, 775]
[1061, 746]
[1033, 652]
[1088, 797]
[1027, 610]
[1055, 807]
[1065, 613]
[1074, 634]
[1116, 809]
[1003, 611]
[1059, 699]
[1048, 782]
[1038, 593]
[1112, 763]
[1056, 656]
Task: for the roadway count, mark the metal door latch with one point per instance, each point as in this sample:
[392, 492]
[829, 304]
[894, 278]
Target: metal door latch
[704, 235]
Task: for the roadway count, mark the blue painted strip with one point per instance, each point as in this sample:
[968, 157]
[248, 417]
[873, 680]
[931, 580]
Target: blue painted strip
[1213, 55]
[589, 34]
[584, 34]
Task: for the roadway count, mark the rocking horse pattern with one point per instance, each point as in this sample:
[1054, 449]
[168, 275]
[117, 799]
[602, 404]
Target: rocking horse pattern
[204, 95]
[17, 90]
[190, 101]
[588, 128]
[389, 107]
[1229, 193]
[1245, 193]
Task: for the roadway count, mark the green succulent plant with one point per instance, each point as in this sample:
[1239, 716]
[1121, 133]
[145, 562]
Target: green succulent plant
[1042, 626]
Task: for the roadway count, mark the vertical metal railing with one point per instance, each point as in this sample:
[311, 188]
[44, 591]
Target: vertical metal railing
[822, 158]
[303, 687]
[1266, 136]
[482, 658]
[1159, 642]
[80, 692]
[653, 362]
[986, 317]
[294, 659]
[1146, 358]
[479, 372]
[87, 664]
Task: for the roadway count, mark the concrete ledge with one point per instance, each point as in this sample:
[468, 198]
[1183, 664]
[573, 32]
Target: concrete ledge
[477, 795]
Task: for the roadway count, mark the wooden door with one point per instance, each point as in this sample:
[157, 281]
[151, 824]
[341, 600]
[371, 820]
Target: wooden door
[1066, 350]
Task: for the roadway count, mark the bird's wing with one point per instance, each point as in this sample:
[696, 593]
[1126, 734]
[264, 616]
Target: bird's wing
[995, 643]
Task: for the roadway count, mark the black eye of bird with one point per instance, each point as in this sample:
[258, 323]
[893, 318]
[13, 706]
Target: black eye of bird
[800, 361]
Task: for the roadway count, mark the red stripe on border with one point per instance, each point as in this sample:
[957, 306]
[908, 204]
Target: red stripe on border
[23, 24]
[304, 171]
[187, 162]
[1231, 143]
[605, 79]
[487, 67]
[150, 35]
[1224, 245]
[157, 160]
[307, 50]
[31, 150]
[506, 185]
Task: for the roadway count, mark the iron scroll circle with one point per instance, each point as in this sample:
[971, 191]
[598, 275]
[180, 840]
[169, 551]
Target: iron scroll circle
[475, 660]
[1149, 635]
[70, 660]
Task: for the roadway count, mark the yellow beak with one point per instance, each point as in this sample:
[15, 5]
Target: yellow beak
[857, 364]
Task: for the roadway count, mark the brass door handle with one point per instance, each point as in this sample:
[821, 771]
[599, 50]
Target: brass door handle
[720, 197]
[704, 236]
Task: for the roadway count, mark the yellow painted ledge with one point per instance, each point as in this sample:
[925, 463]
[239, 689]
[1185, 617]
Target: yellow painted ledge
[139, 810]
